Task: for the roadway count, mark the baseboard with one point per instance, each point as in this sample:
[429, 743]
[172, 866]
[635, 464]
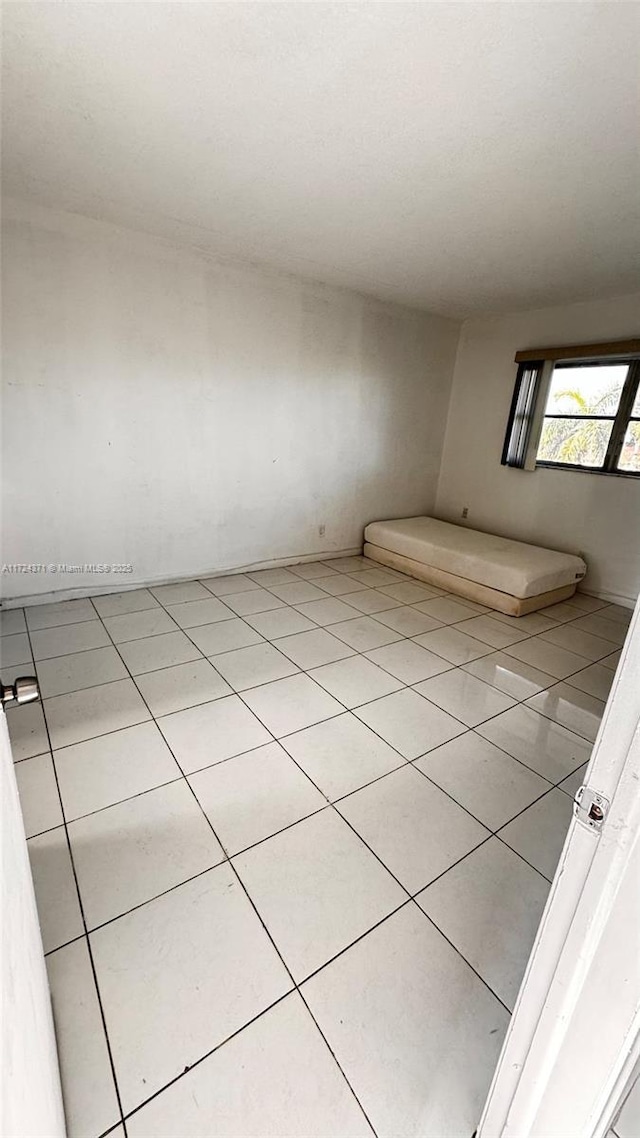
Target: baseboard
[144, 583]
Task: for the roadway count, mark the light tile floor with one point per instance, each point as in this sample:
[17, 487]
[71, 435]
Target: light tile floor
[291, 833]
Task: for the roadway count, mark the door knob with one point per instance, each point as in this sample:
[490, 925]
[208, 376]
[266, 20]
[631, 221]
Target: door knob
[24, 690]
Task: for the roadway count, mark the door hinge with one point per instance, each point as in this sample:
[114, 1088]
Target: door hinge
[590, 808]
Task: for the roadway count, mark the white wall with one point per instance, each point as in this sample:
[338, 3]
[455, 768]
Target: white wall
[30, 1095]
[595, 514]
[189, 416]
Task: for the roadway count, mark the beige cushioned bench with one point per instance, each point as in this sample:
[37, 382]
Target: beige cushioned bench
[506, 575]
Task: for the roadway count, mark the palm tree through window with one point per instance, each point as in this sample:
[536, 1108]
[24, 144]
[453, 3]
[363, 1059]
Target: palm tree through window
[592, 417]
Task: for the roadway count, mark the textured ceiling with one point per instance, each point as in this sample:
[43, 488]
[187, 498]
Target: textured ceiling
[462, 157]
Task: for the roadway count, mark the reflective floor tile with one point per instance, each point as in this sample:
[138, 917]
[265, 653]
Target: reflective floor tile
[410, 593]
[464, 696]
[415, 829]
[490, 784]
[191, 614]
[402, 1010]
[90, 1102]
[201, 736]
[563, 611]
[291, 704]
[178, 976]
[550, 658]
[453, 645]
[538, 835]
[13, 672]
[317, 888]
[374, 577]
[408, 621]
[341, 754]
[134, 851]
[27, 730]
[39, 798]
[578, 641]
[155, 652]
[180, 592]
[355, 681]
[258, 664]
[600, 625]
[80, 670]
[103, 771]
[621, 613]
[15, 650]
[409, 723]
[611, 661]
[276, 1077]
[55, 889]
[364, 633]
[116, 604]
[446, 610]
[251, 797]
[540, 744]
[312, 570]
[59, 613]
[137, 625]
[408, 661]
[297, 592]
[492, 631]
[234, 583]
[574, 781]
[372, 601]
[213, 639]
[579, 712]
[69, 638]
[251, 601]
[95, 711]
[280, 622]
[489, 906]
[339, 585]
[586, 602]
[312, 649]
[595, 680]
[329, 611]
[12, 621]
[347, 564]
[509, 675]
[268, 577]
[531, 623]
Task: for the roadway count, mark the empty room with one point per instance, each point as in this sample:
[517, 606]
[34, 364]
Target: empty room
[320, 546]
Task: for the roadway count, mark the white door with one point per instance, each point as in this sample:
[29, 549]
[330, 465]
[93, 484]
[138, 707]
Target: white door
[574, 1039]
[31, 1097]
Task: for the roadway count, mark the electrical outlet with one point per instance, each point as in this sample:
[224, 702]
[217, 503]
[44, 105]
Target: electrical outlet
[465, 512]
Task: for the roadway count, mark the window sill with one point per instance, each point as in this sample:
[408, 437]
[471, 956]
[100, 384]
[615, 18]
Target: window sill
[587, 470]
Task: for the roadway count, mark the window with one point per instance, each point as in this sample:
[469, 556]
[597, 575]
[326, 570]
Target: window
[576, 413]
[523, 404]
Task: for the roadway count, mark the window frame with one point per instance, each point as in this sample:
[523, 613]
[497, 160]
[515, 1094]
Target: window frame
[531, 393]
[620, 420]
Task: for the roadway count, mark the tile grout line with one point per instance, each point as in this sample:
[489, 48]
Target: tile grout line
[347, 710]
[404, 760]
[356, 707]
[371, 851]
[86, 934]
[402, 636]
[233, 868]
[552, 786]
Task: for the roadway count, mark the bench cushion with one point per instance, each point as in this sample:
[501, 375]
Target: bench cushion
[512, 567]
